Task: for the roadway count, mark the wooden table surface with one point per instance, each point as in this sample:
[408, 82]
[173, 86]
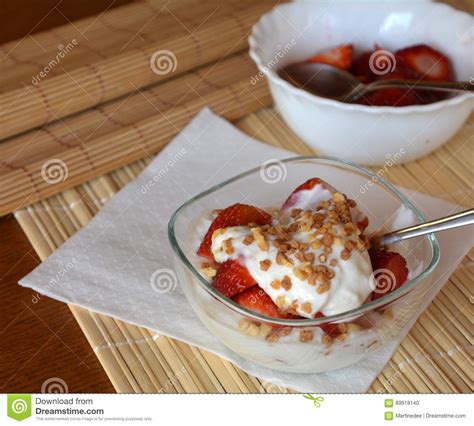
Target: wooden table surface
[43, 342]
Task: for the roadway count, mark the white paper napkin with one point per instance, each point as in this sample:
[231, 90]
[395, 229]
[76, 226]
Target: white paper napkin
[106, 266]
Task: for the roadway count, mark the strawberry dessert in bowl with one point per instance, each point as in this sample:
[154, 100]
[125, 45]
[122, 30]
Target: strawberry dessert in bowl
[293, 283]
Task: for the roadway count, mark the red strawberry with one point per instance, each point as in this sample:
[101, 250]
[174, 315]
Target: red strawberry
[340, 57]
[390, 271]
[363, 223]
[426, 61]
[331, 329]
[232, 278]
[394, 97]
[257, 300]
[294, 196]
[361, 68]
[235, 215]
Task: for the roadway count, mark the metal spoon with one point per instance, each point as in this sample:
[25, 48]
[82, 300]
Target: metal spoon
[449, 222]
[331, 82]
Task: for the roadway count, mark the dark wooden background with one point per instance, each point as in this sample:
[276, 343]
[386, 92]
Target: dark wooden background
[40, 341]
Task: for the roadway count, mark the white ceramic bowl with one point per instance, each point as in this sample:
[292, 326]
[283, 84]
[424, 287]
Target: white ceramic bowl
[365, 134]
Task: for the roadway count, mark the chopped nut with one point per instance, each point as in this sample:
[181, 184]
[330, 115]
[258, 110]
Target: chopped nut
[312, 278]
[260, 239]
[248, 240]
[295, 213]
[265, 329]
[349, 245]
[306, 307]
[306, 336]
[322, 258]
[286, 283]
[345, 254]
[316, 244]
[342, 327]
[327, 239]
[265, 264]
[309, 257]
[341, 337]
[244, 324]
[327, 250]
[217, 232]
[272, 338]
[227, 246]
[302, 275]
[338, 197]
[333, 262]
[285, 331]
[209, 271]
[253, 330]
[281, 259]
[326, 340]
[323, 287]
[280, 301]
[275, 284]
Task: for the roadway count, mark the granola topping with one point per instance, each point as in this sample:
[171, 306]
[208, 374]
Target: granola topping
[308, 261]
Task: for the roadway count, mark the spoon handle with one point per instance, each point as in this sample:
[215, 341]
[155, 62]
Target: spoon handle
[449, 222]
[444, 86]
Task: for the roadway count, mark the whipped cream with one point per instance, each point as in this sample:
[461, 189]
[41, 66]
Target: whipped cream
[311, 277]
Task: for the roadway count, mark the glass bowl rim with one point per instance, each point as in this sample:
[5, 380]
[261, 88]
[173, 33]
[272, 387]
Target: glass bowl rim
[388, 298]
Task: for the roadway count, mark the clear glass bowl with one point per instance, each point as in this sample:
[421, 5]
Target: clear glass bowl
[276, 343]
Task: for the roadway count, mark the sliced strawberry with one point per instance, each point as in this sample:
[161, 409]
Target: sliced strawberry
[390, 271]
[426, 61]
[331, 329]
[361, 66]
[363, 223]
[257, 300]
[294, 197]
[340, 57]
[235, 215]
[232, 278]
[394, 97]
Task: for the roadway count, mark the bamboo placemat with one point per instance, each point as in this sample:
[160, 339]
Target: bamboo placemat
[96, 82]
[436, 356]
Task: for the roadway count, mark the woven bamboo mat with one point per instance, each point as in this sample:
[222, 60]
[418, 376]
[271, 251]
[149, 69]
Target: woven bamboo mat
[434, 357]
[126, 114]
